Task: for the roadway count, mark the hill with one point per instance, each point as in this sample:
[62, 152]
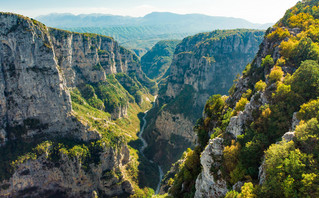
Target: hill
[262, 139]
[141, 33]
[156, 61]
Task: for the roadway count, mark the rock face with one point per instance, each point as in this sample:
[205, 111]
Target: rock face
[156, 62]
[39, 64]
[203, 65]
[38, 68]
[33, 92]
[208, 185]
[42, 178]
[237, 123]
[89, 57]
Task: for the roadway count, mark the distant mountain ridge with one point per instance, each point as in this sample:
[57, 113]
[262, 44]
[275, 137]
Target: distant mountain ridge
[141, 33]
[200, 21]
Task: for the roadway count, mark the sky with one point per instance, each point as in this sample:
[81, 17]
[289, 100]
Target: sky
[257, 11]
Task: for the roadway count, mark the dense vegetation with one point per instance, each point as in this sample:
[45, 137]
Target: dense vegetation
[156, 62]
[290, 84]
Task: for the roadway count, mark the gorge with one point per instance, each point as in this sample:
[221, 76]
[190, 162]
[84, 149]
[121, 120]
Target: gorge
[226, 113]
[202, 65]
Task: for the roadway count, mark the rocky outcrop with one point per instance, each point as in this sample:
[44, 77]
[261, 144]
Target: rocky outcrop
[203, 65]
[237, 123]
[119, 112]
[66, 178]
[208, 184]
[38, 68]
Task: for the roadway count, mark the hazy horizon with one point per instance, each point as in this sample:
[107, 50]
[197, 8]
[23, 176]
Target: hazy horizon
[255, 11]
[105, 14]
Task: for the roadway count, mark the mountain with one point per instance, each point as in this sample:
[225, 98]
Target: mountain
[194, 21]
[69, 106]
[262, 139]
[156, 61]
[203, 64]
[141, 33]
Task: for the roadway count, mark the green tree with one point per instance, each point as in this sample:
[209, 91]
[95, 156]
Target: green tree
[260, 86]
[276, 74]
[305, 81]
[267, 62]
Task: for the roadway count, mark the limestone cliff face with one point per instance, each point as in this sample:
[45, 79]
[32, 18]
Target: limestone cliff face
[33, 92]
[208, 184]
[89, 58]
[203, 65]
[44, 178]
[39, 64]
[38, 68]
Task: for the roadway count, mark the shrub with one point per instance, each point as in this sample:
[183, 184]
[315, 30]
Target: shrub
[281, 62]
[240, 106]
[247, 70]
[267, 62]
[260, 86]
[306, 129]
[214, 106]
[300, 20]
[299, 49]
[247, 191]
[278, 35]
[305, 81]
[282, 91]
[247, 94]
[87, 91]
[309, 110]
[231, 156]
[276, 74]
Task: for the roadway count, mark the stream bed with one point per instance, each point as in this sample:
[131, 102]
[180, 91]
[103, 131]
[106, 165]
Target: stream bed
[140, 135]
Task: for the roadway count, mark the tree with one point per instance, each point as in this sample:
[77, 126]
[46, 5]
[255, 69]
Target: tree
[260, 86]
[276, 74]
[305, 81]
[240, 105]
[231, 156]
[309, 110]
[267, 62]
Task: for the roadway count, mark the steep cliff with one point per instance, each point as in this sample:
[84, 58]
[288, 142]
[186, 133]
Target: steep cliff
[266, 131]
[156, 61]
[69, 104]
[204, 64]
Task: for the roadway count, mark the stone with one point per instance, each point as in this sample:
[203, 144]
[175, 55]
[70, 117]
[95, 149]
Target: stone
[238, 185]
[237, 123]
[294, 122]
[206, 185]
[289, 136]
